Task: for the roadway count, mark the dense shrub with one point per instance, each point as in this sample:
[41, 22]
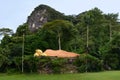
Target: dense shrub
[50, 64]
[111, 61]
[57, 64]
[88, 63]
[4, 63]
[30, 63]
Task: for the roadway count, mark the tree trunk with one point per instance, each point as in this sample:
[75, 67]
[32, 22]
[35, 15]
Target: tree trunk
[87, 37]
[87, 47]
[23, 54]
[110, 30]
[59, 41]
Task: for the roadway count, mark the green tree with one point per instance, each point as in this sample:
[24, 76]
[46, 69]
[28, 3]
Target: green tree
[4, 59]
[111, 19]
[61, 31]
[5, 31]
[22, 29]
[5, 41]
[88, 26]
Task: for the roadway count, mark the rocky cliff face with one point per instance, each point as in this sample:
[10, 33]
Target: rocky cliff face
[37, 18]
[41, 15]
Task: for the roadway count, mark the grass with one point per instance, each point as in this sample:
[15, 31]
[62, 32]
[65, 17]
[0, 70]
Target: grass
[108, 75]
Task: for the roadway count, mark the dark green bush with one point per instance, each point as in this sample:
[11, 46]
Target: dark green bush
[57, 64]
[31, 63]
[17, 63]
[88, 63]
[111, 61]
[4, 63]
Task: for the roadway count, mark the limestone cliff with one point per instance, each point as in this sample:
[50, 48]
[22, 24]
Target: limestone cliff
[41, 15]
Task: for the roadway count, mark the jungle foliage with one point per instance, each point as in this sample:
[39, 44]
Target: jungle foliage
[91, 33]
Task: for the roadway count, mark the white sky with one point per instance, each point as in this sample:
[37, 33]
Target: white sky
[15, 12]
